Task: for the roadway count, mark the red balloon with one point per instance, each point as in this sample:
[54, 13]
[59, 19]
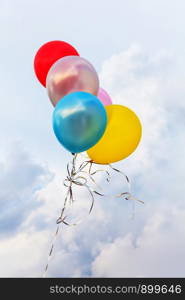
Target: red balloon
[48, 54]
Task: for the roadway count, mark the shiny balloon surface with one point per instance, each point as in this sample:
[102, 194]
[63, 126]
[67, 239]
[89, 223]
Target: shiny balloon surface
[71, 74]
[48, 54]
[79, 121]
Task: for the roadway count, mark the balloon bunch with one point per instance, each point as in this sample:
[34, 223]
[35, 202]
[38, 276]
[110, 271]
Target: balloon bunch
[84, 118]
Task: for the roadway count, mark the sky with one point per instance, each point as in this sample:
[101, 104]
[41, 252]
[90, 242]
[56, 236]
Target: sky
[138, 50]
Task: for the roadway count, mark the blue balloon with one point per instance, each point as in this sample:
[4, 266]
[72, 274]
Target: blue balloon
[79, 121]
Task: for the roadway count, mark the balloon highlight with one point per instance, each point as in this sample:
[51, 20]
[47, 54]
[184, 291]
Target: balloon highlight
[71, 74]
[79, 121]
[47, 55]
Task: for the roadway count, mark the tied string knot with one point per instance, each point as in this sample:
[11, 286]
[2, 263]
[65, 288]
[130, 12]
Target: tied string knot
[75, 180]
[75, 177]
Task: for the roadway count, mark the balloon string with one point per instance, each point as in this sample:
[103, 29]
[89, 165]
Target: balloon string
[74, 177]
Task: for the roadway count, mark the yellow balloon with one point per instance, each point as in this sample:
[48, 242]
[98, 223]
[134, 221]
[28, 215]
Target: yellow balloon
[121, 136]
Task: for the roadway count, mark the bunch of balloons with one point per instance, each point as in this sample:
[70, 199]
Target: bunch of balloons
[84, 118]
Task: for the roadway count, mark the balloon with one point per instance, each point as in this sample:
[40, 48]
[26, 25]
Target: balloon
[71, 74]
[121, 136]
[104, 97]
[79, 121]
[48, 54]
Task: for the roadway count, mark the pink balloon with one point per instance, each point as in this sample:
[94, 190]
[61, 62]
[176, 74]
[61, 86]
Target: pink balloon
[71, 74]
[104, 97]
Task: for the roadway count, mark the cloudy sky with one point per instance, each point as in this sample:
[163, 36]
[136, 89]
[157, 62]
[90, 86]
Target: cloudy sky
[138, 49]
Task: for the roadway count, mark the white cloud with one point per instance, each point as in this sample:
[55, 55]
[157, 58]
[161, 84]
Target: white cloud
[23, 255]
[108, 237]
[149, 80]
[156, 245]
[133, 81]
[157, 252]
[21, 177]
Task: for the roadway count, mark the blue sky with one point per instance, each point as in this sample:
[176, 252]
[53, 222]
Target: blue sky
[137, 48]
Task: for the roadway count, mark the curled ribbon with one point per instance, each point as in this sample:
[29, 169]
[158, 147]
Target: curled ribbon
[78, 176]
